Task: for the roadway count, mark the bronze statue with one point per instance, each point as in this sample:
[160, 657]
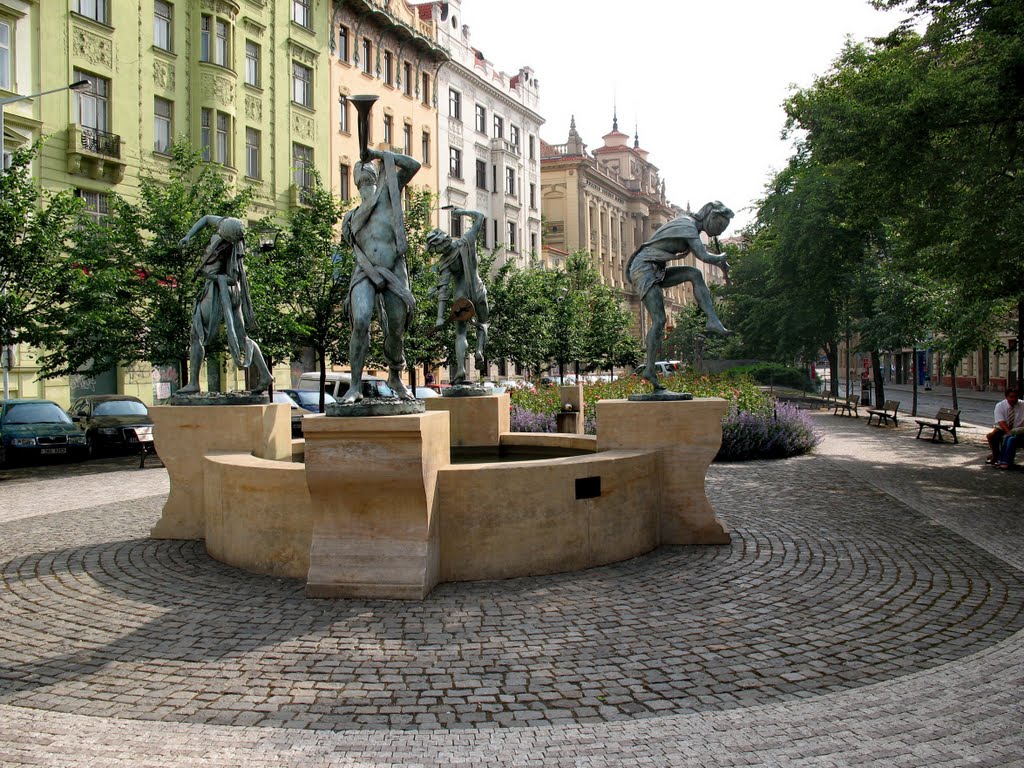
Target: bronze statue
[459, 278]
[376, 232]
[648, 273]
[224, 297]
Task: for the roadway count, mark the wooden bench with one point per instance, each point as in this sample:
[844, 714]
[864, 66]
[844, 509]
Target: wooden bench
[848, 406]
[886, 414]
[946, 420]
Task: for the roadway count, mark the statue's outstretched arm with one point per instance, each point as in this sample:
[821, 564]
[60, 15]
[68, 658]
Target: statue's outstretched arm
[699, 250]
[474, 228]
[211, 220]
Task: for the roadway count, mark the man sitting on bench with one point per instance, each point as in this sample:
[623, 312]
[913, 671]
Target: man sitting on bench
[1009, 418]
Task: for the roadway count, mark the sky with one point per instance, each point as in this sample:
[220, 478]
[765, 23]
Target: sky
[702, 82]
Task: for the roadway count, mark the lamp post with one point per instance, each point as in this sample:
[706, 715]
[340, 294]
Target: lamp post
[6, 352]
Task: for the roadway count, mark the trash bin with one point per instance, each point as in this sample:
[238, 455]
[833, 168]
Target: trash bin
[865, 391]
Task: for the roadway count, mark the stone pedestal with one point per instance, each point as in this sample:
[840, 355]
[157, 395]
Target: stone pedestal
[687, 435]
[571, 419]
[373, 486]
[184, 436]
[476, 422]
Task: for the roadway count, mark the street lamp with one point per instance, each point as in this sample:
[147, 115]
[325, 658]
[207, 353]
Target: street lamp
[6, 352]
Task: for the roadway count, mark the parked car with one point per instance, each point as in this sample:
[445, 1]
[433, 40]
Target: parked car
[308, 398]
[35, 429]
[337, 384]
[664, 368]
[424, 392]
[281, 396]
[113, 422]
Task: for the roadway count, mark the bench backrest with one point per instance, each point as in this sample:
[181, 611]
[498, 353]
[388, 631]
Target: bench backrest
[948, 414]
[891, 405]
[853, 399]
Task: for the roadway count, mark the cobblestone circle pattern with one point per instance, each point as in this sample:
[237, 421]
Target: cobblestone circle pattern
[102, 621]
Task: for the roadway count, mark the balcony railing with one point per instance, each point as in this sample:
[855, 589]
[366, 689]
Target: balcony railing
[101, 142]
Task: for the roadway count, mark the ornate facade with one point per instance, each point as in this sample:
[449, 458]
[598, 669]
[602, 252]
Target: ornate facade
[608, 202]
[488, 140]
[245, 80]
[383, 48]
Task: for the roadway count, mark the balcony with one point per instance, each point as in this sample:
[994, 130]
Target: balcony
[94, 153]
[503, 145]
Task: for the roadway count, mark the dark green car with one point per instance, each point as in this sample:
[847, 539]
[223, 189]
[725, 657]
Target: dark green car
[31, 430]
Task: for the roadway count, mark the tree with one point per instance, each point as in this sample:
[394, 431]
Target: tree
[316, 265]
[132, 294]
[521, 316]
[33, 241]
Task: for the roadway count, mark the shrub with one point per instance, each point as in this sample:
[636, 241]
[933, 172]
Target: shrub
[525, 420]
[775, 374]
[782, 432]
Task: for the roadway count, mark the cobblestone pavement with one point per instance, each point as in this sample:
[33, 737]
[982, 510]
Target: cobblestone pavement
[868, 612]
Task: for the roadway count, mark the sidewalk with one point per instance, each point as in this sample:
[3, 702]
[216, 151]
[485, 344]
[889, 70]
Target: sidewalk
[869, 612]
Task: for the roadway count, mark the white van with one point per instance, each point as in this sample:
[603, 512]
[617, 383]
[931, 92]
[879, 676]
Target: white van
[338, 383]
[663, 367]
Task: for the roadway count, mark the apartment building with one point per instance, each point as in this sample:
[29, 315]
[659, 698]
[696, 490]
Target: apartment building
[488, 140]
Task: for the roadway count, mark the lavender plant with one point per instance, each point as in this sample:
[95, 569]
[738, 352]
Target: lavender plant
[772, 434]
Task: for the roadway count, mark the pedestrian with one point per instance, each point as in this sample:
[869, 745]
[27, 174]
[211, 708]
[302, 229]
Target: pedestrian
[1009, 426]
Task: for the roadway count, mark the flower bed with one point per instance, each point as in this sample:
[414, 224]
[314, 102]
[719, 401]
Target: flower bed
[755, 425]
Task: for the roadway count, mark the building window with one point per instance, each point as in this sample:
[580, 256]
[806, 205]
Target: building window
[499, 127]
[252, 153]
[162, 130]
[223, 138]
[510, 240]
[215, 49]
[510, 181]
[407, 78]
[252, 64]
[343, 114]
[455, 225]
[481, 118]
[206, 132]
[533, 243]
[302, 161]
[345, 180]
[455, 162]
[5, 56]
[425, 148]
[426, 89]
[343, 52]
[162, 25]
[389, 68]
[483, 233]
[533, 147]
[367, 53]
[97, 205]
[92, 103]
[533, 195]
[513, 136]
[454, 104]
[222, 48]
[407, 139]
[301, 13]
[495, 228]
[302, 84]
[95, 9]
[389, 130]
[481, 174]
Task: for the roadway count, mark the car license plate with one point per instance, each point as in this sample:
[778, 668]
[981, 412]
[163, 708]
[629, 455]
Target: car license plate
[46, 451]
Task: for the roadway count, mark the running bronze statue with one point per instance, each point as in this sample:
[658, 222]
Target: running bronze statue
[647, 270]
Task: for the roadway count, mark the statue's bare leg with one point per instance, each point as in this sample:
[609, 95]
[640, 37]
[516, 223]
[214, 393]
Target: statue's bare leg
[677, 275]
[256, 354]
[482, 315]
[197, 352]
[394, 344]
[362, 299]
[654, 300]
[461, 345]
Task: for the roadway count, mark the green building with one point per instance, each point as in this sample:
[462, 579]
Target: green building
[246, 80]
